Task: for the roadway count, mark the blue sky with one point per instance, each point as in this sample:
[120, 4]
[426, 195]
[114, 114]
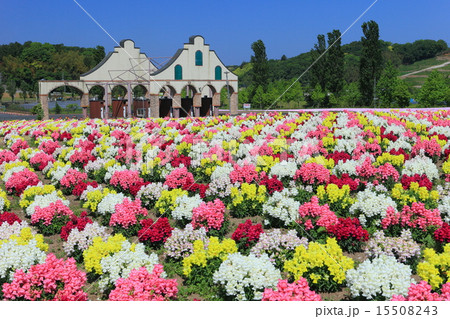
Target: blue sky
[159, 28]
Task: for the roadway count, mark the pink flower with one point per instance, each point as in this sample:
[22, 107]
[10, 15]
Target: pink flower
[414, 216]
[56, 279]
[49, 213]
[127, 213]
[40, 160]
[297, 291]
[243, 174]
[19, 181]
[209, 215]
[323, 215]
[422, 292]
[313, 173]
[180, 177]
[144, 286]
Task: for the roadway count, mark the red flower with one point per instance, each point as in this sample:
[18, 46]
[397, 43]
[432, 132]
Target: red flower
[247, 234]
[421, 179]
[10, 218]
[75, 222]
[272, 184]
[443, 234]
[155, 233]
[348, 227]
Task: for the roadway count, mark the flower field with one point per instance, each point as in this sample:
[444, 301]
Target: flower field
[303, 206]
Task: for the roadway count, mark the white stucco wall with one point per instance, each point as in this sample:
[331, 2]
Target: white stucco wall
[125, 63]
[198, 76]
[128, 65]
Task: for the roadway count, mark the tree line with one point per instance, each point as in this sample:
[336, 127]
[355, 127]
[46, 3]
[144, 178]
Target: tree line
[362, 73]
[23, 65]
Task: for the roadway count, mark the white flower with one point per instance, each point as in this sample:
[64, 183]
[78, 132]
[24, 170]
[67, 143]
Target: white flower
[150, 193]
[370, 205]
[109, 202]
[14, 256]
[184, 207]
[6, 230]
[281, 206]
[284, 169]
[121, 263]
[444, 208]
[421, 165]
[240, 273]
[83, 239]
[383, 276]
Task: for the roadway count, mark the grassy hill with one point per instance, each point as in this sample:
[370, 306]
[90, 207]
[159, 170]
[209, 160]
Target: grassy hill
[418, 78]
[424, 53]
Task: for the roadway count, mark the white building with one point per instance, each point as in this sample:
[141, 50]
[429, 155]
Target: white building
[194, 72]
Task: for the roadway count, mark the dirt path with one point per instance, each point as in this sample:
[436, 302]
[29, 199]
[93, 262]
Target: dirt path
[426, 69]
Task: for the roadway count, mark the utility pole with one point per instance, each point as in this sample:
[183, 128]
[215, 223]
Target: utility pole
[228, 90]
[374, 92]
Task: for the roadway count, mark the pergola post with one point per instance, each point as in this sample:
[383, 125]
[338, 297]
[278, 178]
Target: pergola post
[84, 103]
[176, 105]
[43, 98]
[234, 103]
[197, 103]
[106, 107]
[216, 103]
[154, 105]
[130, 101]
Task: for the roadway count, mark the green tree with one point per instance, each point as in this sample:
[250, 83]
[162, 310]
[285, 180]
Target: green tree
[11, 88]
[402, 96]
[387, 85]
[319, 69]
[37, 109]
[317, 96]
[244, 95]
[260, 65]
[370, 65]
[38, 52]
[294, 94]
[350, 95]
[2, 91]
[258, 97]
[447, 93]
[434, 90]
[335, 63]
[57, 108]
[271, 94]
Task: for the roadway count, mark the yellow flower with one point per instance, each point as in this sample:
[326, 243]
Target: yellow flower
[328, 257]
[167, 201]
[6, 201]
[395, 160]
[94, 197]
[100, 249]
[435, 268]
[214, 249]
[25, 237]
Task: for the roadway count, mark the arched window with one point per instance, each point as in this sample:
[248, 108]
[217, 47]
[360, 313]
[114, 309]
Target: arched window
[218, 73]
[198, 58]
[178, 72]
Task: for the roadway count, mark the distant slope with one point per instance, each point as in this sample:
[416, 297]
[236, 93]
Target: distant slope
[416, 73]
[421, 52]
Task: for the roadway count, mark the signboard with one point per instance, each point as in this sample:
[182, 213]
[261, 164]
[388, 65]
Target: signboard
[247, 106]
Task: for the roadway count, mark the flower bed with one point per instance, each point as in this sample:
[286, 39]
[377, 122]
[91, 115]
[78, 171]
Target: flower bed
[252, 207]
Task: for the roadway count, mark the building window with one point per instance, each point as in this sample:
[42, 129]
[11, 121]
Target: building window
[178, 72]
[198, 58]
[218, 73]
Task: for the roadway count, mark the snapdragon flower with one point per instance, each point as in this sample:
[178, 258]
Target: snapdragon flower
[379, 279]
[246, 277]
